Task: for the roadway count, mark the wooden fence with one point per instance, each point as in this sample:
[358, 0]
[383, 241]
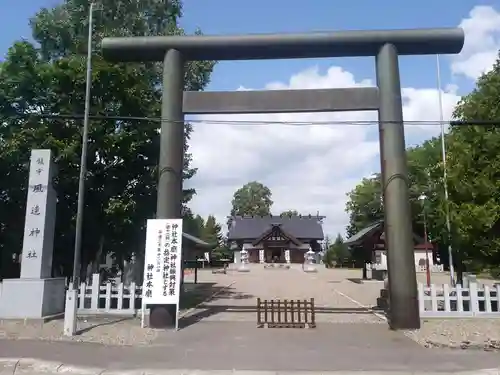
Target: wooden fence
[286, 313]
[443, 301]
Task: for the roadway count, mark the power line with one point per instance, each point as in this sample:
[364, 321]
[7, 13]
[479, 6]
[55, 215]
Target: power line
[254, 122]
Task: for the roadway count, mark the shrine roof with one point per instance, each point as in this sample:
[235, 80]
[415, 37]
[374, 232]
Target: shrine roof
[252, 227]
[195, 240]
[363, 233]
[359, 238]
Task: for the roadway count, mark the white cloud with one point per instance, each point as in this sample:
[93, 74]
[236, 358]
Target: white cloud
[482, 42]
[311, 168]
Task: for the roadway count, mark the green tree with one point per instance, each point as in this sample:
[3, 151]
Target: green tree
[212, 234]
[253, 198]
[425, 175]
[339, 250]
[123, 155]
[364, 204]
[474, 176]
[290, 213]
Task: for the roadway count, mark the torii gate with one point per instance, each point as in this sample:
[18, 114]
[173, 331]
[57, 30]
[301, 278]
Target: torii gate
[385, 45]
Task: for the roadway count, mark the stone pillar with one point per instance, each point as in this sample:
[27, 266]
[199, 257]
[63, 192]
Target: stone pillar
[404, 312]
[169, 198]
[36, 295]
[261, 256]
[287, 256]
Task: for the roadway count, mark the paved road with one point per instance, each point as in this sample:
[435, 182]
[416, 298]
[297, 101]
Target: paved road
[239, 345]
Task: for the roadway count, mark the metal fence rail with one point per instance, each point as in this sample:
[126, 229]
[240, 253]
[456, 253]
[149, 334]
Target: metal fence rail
[286, 313]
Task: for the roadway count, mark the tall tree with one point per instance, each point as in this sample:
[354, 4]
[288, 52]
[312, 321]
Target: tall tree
[290, 213]
[473, 173]
[475, 176]
[364, 204]
[340, 250]
[123, 156]
[425, 175]
[253, 198]
[212, 232]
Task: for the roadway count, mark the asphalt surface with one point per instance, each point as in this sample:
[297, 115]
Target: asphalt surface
[242, 346]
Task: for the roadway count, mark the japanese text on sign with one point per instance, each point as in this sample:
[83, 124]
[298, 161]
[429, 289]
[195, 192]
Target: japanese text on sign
[162, 261]
[174, 253]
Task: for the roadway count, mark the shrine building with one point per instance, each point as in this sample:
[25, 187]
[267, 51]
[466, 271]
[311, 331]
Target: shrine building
[371, 242]
[275, 239]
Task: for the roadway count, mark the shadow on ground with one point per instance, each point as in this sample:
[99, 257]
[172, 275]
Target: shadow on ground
[208, 292]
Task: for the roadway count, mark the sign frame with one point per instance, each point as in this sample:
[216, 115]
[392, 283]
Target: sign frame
[162, 265]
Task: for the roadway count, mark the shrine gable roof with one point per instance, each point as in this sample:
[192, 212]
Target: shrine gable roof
[253, 227]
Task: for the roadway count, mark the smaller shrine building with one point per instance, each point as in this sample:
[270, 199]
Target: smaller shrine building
[275, 239]
[371, 240]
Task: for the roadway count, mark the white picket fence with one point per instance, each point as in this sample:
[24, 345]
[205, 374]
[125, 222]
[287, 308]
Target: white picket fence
[95, 298]
[443, 301]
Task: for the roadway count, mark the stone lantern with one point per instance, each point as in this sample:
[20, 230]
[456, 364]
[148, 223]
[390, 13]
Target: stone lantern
[309, 258]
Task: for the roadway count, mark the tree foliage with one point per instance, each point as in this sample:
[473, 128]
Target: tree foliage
[49, 77]
[337, 252]
[253, 198]
[475, 175]
[290, 213]
[364, 204]
[212, 232]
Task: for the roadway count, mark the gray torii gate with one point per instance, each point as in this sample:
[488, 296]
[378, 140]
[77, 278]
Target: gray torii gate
[385, 45]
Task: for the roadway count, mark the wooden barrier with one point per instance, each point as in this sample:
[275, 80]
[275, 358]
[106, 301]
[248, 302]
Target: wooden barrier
[286, 313]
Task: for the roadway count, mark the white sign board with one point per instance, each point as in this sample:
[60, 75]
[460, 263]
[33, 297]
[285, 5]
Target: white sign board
[162, 263]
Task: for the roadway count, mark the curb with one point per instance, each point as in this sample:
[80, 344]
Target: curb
[27, 366]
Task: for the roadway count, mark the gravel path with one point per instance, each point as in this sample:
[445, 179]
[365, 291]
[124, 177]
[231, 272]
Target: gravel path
[239, 303]
[107, 331]
[483, 334]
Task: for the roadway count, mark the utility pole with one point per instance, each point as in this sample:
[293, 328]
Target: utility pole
[445, 176]
[72, 299]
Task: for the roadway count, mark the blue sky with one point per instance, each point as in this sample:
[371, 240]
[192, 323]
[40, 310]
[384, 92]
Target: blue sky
[234, 17]
[312, 168]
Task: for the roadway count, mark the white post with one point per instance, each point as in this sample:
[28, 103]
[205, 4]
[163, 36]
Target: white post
[287, 256]
[474, 301]
[94, 299]
[70, 311]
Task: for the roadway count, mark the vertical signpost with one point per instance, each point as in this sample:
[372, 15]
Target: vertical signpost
[39, 225]
[162, 265]
[36, 294]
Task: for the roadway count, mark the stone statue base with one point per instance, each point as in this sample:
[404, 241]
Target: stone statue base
[243, 268]
[32, 298]
[310, 268]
